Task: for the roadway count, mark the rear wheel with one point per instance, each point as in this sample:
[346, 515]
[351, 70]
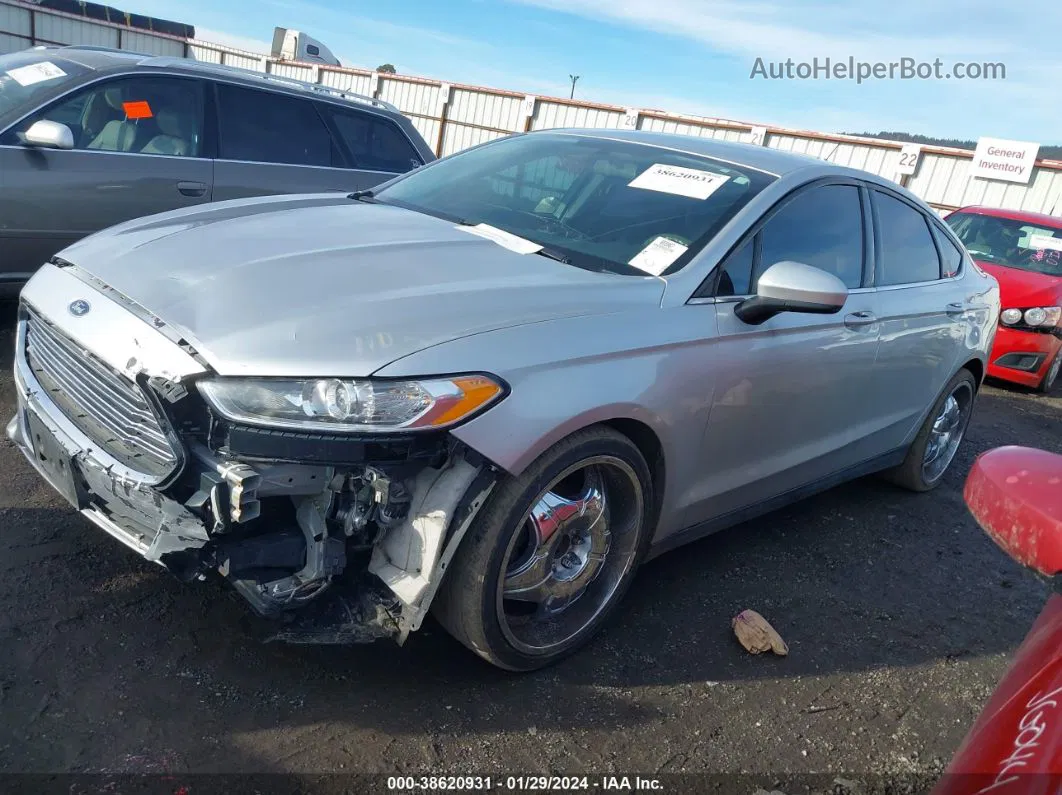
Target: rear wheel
[551, 553]
[1051, 375]
[934, 448]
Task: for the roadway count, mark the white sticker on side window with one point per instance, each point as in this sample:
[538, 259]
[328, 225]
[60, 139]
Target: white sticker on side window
[1045, 241]
[658, 255]
[35, 73]
[679, 181]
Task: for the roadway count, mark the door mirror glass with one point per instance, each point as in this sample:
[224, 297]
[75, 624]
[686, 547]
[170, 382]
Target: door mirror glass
[789, 286]
[48, 135]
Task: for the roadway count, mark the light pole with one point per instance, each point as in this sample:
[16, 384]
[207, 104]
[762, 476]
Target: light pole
[574, 79]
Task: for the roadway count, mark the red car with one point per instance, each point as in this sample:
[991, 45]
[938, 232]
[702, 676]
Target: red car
[1024, 252]
[1015, 494]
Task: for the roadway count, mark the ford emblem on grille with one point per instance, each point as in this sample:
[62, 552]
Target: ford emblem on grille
[79, 308]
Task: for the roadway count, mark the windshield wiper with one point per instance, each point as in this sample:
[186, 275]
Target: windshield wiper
[368, 196]
[554, 255]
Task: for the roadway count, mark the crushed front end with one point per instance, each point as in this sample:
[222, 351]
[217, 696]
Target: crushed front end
[340, 537]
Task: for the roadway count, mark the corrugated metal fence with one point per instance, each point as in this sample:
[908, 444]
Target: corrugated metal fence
[452, 117]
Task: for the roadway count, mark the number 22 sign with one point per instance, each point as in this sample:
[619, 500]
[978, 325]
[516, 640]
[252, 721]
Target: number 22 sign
[909, 159]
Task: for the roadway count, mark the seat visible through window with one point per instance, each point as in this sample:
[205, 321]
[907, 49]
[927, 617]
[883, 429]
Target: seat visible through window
[145, 115]
[119, 134]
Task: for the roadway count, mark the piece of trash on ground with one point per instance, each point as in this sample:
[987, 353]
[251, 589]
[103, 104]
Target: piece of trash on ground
[757, 635]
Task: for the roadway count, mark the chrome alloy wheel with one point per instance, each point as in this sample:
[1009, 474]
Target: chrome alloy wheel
[947, 432]
[570, 553]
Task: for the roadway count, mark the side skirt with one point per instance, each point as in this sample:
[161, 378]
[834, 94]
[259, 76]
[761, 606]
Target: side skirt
[698, 531]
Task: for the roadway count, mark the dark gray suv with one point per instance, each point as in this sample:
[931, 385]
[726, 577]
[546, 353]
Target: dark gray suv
[92, 137]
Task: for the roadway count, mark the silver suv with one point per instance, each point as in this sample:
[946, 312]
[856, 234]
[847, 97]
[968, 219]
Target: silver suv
[90, 138]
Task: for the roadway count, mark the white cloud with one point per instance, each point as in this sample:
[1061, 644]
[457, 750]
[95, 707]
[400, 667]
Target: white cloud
[835, 28]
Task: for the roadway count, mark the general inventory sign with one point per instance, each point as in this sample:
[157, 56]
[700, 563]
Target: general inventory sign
[998, 158]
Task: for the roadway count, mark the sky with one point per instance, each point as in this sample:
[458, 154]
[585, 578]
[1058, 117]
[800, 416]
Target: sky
[695, 56]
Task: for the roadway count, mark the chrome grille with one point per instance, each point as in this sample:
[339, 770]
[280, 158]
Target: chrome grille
[107, 407]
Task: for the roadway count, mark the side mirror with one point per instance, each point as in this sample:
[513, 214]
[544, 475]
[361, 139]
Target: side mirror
[1013, 493]
[793, 287]
[48, 135]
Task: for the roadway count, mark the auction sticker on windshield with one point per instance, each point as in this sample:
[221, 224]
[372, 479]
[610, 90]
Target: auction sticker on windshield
[35, 73]
[679, 181]
[658, 255]
[503, 238]
[1045, 241]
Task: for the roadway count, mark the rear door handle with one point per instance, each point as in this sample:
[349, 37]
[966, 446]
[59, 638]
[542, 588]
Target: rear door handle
[192, 188]
[955, 309]
[860, 319]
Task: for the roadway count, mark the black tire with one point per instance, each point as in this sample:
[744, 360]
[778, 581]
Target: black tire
[1048, 381]
[469, 603]
[911, 473]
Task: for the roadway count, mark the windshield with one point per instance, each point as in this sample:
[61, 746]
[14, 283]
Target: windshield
[24, 76]
[1011, 243]
[599, 204]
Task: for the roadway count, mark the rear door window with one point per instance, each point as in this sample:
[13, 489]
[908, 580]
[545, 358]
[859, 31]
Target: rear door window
[374, 143]
[269, 127]
[908, 254]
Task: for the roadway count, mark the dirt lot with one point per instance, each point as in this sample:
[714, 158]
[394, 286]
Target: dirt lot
[899, 613]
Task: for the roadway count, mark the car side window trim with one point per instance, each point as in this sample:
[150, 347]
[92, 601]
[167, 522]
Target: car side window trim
[941, 230]
[870, 260]
[931, 225]
[708, 288]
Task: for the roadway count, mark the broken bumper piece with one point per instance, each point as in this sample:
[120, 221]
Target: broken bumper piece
[336, 553]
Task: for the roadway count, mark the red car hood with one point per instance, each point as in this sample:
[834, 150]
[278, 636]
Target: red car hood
[1015, 748]
[1023, 289]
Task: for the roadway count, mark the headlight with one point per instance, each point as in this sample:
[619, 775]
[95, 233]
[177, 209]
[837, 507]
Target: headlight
[1043, 315]
[1010, 316]
[344, 405]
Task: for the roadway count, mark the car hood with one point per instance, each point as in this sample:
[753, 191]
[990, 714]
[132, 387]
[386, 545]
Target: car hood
[323, 285]
[1023, 289]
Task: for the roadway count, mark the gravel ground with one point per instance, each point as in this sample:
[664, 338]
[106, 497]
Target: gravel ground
[900, 615]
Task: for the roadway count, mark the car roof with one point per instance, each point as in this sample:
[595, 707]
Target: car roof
[761, 158]
[98, 58]
[1015, 215]
[104, 59]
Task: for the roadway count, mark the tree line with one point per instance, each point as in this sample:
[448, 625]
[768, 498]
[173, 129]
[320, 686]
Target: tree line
[1046, 152]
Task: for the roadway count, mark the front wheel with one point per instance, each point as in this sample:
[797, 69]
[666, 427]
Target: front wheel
[934, 448]
[551, 553]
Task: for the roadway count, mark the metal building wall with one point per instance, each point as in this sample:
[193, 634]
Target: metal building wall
[137, 41]
[14, 28]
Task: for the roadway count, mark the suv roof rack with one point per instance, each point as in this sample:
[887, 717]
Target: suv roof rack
[265, 77]
[94, 48]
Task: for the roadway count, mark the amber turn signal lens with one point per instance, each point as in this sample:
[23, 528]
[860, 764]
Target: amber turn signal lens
[472, 393]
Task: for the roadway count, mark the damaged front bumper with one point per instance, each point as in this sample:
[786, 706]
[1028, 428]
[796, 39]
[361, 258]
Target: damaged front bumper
[337, 551]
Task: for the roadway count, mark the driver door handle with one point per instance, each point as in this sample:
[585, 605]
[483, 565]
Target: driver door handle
[860, 319]
[192, 188]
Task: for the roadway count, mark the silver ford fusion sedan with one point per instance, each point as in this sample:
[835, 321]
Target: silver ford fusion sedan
[494, 386]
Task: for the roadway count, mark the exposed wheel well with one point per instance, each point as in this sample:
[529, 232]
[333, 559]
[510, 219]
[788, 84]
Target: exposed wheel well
[977, 368]
[647, 442]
